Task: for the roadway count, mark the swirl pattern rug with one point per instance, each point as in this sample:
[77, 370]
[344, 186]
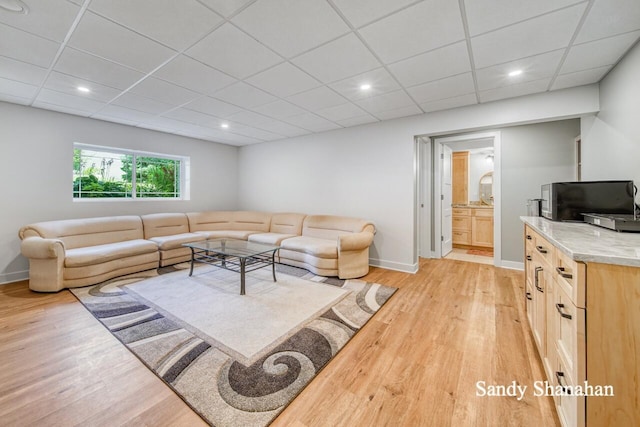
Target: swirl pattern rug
[236, 360]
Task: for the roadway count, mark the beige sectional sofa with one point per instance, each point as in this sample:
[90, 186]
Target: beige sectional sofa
[79, 252]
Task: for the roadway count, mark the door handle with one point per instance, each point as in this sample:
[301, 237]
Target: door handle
[559, 307]
[528, 295]
[541, 249]
[537, 279]
[561, 271]
[529, 258]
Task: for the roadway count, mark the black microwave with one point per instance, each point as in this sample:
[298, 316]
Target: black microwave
[567, 201]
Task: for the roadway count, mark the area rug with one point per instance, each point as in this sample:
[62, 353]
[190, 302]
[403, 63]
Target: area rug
[236, 360]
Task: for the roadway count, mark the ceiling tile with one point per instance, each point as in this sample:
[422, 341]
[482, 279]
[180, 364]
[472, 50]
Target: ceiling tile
[161, 123]
[17, 89]
[342, 112]
[533, 68]
[67, 101]
[261, 122]
[177, 24]
[114, 111]
[92, 68]
[225, 7]
[434, 65]
[230, 50]
[608, 18]
[244, 95]
[411, 110]
[316, 99]
[386, 102]
[483, 16]
[312, 122]
[249, 118]
[103, 38]
[212, 107]
[252, 132]
[355, 121]
[141, 103]
[239, 140]
[415, 30]
[514, 90]
[14, 99]
[339, 59]
[291, 27]
[61, 108]
[539, 35]
[113, 119]
[445, 88]
[69, 84]
[284, 80]
[194, 75]
[360, 12]
[195, 117]
[21, 71]
[26, 47]
[282, 128]
[445, 104]
[609, 50]
[50, 19]
[279, 109]
[580, 78]
[380, 80]
[163, 91]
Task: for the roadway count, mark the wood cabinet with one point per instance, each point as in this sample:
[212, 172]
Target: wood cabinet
[472, 227]
[460, 178]
[585, 320]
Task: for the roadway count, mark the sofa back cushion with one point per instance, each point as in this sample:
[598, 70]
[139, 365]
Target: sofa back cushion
[164, 224]
[229, 220]
[331, 226]
[287, 223]
[78, 233]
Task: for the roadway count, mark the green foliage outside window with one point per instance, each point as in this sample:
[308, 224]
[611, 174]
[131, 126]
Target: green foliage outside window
[99, 174]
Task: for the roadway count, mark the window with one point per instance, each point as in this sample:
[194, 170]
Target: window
[100, 172]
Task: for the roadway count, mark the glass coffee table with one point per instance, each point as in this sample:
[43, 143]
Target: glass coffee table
[240, 256]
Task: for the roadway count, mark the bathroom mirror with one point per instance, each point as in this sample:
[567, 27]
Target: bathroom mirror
[486, 188]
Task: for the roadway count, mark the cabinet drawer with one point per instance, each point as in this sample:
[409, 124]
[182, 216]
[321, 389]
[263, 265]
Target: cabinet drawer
[460, 212]
[482, 212]
[544, 249]
[461, 237]
[569, 328]
[462, 223]
[571, 277]
[571, 409]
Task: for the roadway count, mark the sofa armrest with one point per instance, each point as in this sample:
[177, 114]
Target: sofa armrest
[355, 241]
[39, 248]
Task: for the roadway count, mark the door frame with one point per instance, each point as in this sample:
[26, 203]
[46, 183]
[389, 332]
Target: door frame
[497, 199]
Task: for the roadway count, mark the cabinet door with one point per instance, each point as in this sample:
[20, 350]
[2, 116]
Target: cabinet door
[460, 178]
[540, 279]
[482, 231]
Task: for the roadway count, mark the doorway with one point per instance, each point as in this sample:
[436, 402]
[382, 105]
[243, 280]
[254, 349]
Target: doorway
[454, 220]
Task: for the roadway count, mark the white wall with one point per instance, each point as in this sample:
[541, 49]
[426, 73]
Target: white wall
[368, 171]
[36, 165]
[611, 139]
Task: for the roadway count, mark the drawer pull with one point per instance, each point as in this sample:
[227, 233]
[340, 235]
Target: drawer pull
[541, 249]
[559, 307]
[559, 376]
[529, 258]
[536, 279]
[529, 237]
[528, 295]
[561, 272]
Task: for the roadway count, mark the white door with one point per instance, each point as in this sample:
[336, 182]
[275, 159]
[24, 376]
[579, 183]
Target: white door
[447, 195]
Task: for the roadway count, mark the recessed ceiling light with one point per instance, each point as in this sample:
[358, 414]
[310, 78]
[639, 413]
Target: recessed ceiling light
[515, 73]
[224, 125]
[83, 89]
[365, 86]
[16, 6]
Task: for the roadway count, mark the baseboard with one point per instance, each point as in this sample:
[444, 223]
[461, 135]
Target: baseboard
[512, 265]
[396, 266]
[16, 276]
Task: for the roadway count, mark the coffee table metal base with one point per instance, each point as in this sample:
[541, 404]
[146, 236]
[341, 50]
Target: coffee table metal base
[240, 265]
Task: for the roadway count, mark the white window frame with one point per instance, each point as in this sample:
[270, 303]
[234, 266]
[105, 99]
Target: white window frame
[185, 173]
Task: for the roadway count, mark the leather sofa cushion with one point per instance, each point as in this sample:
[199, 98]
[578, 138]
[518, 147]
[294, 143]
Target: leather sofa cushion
[321, 248]
[287, 223]
[228, 234]
[172, 242]
[98, 254]
[331, 226]
[164, 224]
[257, 222]
[270, 238]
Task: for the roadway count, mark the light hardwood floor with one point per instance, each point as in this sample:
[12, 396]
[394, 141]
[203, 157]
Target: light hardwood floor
[415, 363]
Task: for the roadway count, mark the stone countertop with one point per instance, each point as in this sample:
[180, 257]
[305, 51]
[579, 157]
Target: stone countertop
[589, 243]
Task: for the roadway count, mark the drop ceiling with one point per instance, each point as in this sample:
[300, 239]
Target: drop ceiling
[273, 69]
